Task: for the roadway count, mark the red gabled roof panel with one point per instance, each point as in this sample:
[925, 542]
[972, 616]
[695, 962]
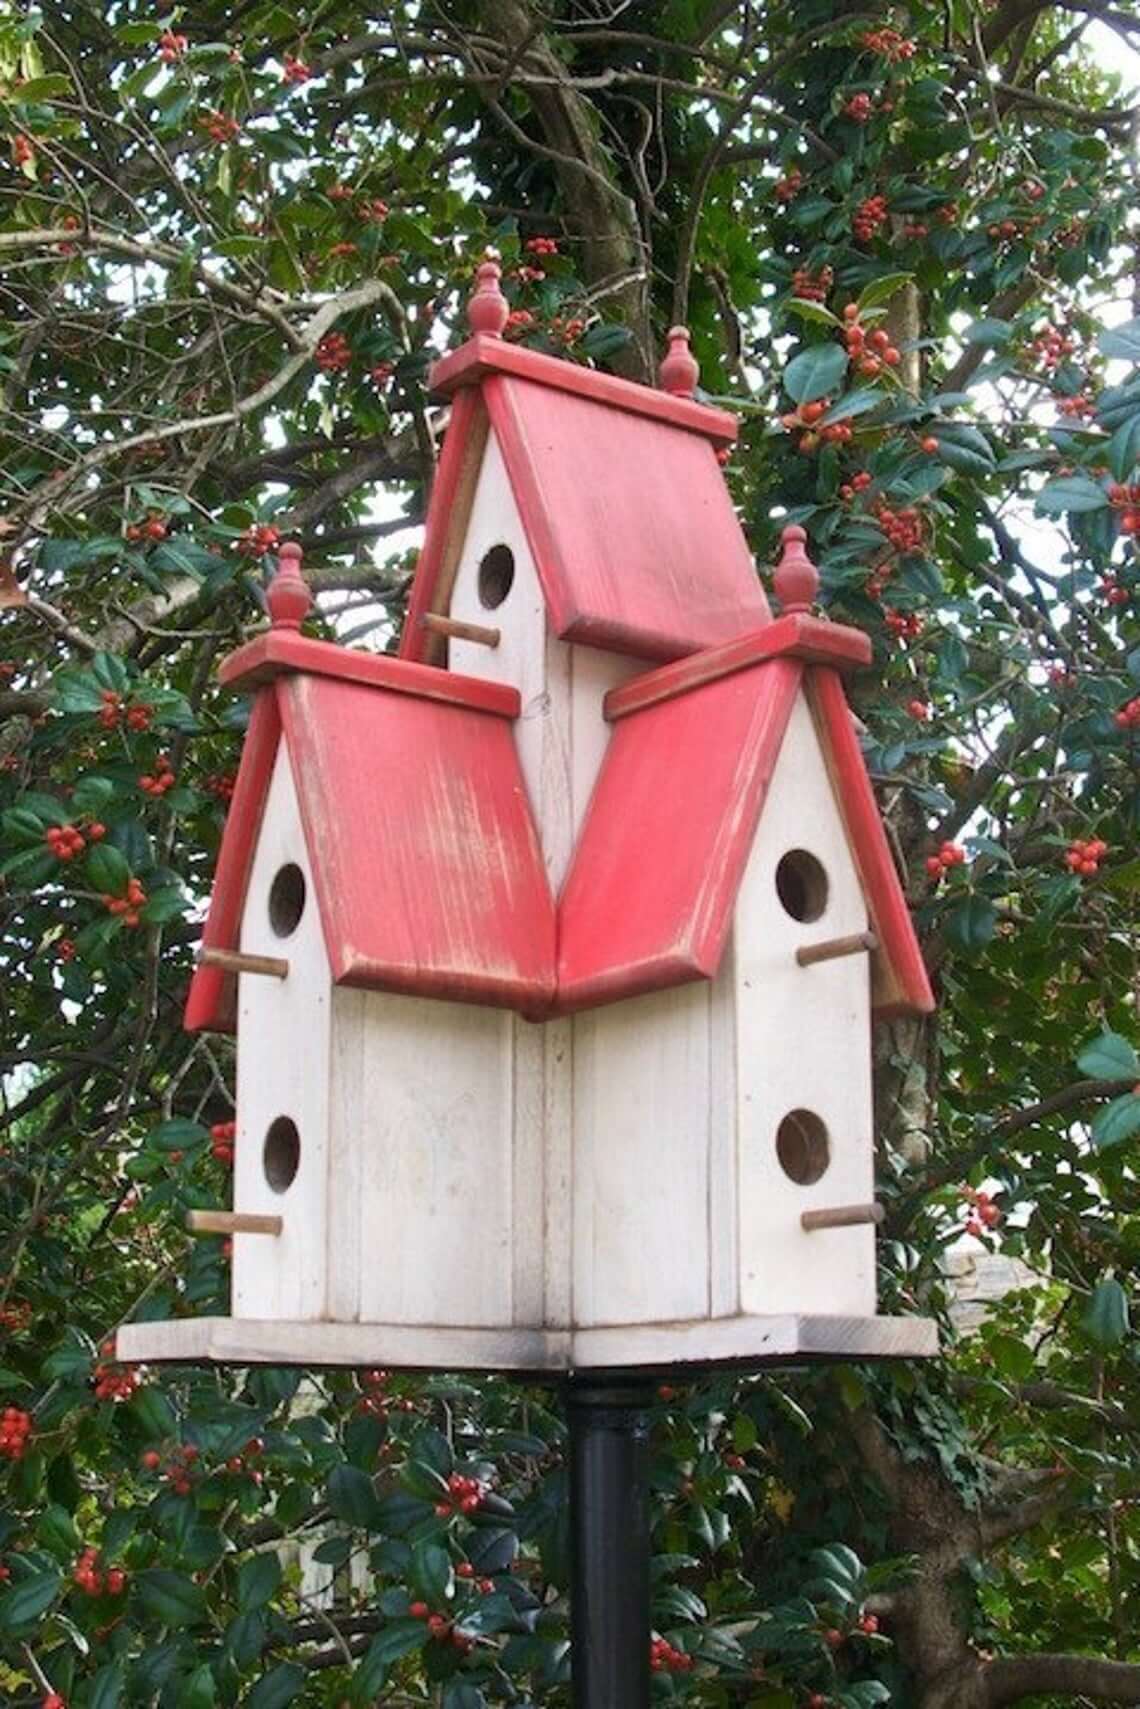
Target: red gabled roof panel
[424, 853]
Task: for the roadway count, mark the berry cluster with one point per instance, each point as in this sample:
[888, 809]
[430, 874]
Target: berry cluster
[176, 1466]
[541, 246]
[1085, 856]
[889, 43]
[22, 150]
[65, 841]
[812, 287]
[93, 1580]
[375, 209]
[171, 47]
[53, 1700]
[114, 712]
[338, 251]
[162, 778]
[15, 1429]
[154, 528]
[1126, 500]
[1051, 345]
[919, 710]
[333, 353]
[222, 1136]
[949, 854]
[663, 1658]
[518, 321]
[568, 330]
[870, 351]
[466, 1571]
[857, 484]
[221, 785]
[1006, 230]
[905, 625]
[1082, 406]
[127, 907]
[219, 127]
[111, 1381]
[916, 229]
[788, 187]
[870, 215]
[295, 70]
[16, 1317]
[465, 1495]
[858, 108]
[807, 416]
[253, 1450]
[1112, 589]
[259, 538]
[65, 951]
[868, 1624]
[982, 1213]
[903, 528]
[381, 372]
[1128, 718]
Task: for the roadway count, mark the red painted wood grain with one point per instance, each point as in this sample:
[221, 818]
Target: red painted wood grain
[425, 857]
[448, 510]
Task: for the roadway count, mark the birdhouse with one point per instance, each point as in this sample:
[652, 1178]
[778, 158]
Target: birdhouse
[553, 944]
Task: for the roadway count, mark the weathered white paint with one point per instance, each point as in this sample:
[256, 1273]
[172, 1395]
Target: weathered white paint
[422, 1119]
[283, 1070]
[803, 1041]
[641, 1119]
[781, 1336]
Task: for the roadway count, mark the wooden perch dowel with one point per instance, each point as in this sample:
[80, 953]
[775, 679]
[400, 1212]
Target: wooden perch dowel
[832, 948]
[232, 1222]
[236, 961]
[456, 630]
[841, 1216]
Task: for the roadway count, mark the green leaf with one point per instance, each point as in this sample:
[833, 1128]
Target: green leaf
[461, 1694]
[1106, 1320]
[1071, 493]
[29, 1599]
[178, 1134]
[107, 870]
[351, 1496]
[258, 1579]
[200, 1691]
[972, 924]
[807, 310]
[989, 332]
[1122, 341]
[170, 1597]
[107, 1687]
[399, 1638]
[432, 1572]
[852, 403]
[1109, 1056]
[1117, 1122]
[815, 373]
[881, 290]
[1124, 448]
[278, 1688]
[964, 448]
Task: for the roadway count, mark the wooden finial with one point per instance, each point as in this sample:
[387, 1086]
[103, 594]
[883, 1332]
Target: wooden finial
[678, 373]
[796, 580]
[487, 308]
[288, 598]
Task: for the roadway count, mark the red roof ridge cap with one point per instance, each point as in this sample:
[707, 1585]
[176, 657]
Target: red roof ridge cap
[797, 635]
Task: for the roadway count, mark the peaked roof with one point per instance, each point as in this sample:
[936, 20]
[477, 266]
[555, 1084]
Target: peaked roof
[650, 895]
[425, 859]
[633, 532]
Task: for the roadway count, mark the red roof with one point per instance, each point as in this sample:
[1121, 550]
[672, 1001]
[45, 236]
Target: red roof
[651, 891]
[625, 508]
[424, 855]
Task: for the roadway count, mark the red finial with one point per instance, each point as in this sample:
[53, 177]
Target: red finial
[288, 598]
[796, 579]
[678, 373]
[487, 308]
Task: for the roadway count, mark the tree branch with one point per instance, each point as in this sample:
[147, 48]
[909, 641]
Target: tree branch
[1012, 1678]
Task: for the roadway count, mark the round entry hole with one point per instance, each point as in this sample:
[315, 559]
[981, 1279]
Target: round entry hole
[281, 1155]
[802, 1147]
[287, 900]
[496, 576]
[801, 885]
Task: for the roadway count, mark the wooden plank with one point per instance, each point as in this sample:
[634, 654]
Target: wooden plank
[812, 640]
[446, 525]
[283, 1072]
[282, 652]
[815, 1058]
[429, 871]
[558, 1174]
[434, 1195]
[649, 898]
[900, 982]
[655, 567]
[350, 1245]
[724, 1164]
[482, 356]
[211, 1001]
[745, 1341]
[640, 1103]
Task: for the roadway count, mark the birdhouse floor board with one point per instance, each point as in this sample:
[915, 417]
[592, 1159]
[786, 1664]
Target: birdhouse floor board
[660, 1346]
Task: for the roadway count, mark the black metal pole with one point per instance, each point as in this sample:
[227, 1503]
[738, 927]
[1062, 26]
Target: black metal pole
[609, 1525]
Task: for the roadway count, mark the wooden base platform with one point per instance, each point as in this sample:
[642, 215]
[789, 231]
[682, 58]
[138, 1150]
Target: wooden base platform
[653, 1346]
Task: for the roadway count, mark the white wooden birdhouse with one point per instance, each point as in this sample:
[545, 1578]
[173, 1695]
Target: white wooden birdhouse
[553, 944]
